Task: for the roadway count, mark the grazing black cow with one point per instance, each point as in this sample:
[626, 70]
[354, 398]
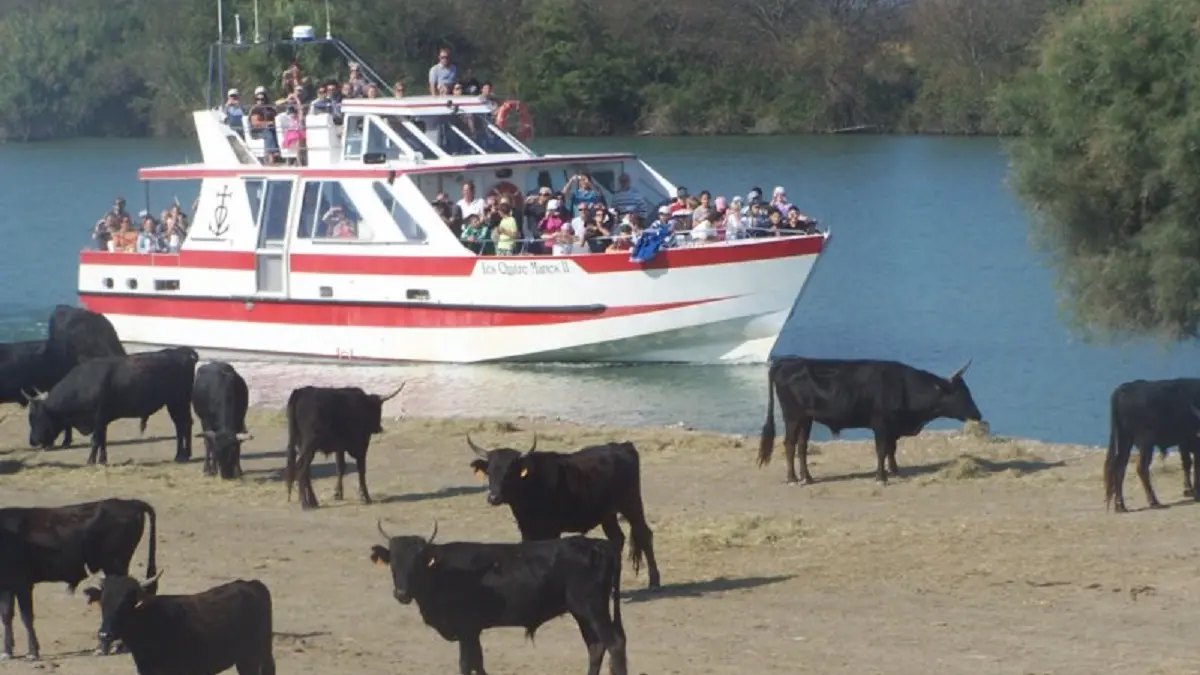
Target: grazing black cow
[338, 420]
[1150, 414]
[220, 398]
[464, 588]
[66, 544]
[75, 335]
[550, 493]
[207, 632]
[101, 390]
[892, 399]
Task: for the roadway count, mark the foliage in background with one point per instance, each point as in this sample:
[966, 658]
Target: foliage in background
[132, 67]
[1109, 160]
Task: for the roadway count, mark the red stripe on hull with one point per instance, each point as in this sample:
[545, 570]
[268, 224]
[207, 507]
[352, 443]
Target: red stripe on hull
[463, 266]
[352, 315]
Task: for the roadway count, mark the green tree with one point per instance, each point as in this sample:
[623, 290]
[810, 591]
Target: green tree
[1109, 162]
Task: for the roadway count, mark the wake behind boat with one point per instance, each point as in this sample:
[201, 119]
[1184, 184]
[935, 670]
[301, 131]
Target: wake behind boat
[332, 246]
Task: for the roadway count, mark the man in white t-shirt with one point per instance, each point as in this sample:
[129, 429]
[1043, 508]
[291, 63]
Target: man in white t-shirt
[443, 73]
[469, 204]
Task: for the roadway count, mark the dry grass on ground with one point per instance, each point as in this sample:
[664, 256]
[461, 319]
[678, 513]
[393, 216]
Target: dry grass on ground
[988, 556]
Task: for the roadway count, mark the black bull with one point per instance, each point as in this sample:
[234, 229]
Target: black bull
[1150, 414]
[66, 544]
[550, 493]
[892, 399]
[464, 588]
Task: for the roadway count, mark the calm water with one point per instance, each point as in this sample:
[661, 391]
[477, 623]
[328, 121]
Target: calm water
[929, 264]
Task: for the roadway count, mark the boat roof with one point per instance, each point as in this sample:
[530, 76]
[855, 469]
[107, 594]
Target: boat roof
[419, 106]
[197, 171]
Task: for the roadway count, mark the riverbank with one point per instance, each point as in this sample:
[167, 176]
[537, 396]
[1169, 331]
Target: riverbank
[986, 551]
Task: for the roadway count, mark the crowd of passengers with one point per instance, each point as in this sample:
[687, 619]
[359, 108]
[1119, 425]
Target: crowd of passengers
[280, 122]
[116, 232]
[578, 218]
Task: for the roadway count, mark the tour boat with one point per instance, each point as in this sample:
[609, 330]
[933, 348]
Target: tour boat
[257, 273]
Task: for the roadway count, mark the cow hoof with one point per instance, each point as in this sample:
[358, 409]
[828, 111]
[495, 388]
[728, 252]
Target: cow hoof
[33, 657]
[181, 459]
[5, 656]
[1157, 505]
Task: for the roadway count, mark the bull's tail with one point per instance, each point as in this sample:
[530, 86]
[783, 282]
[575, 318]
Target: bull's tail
[766, 444]
[289, 469]
[152, 545]
[1113, 455]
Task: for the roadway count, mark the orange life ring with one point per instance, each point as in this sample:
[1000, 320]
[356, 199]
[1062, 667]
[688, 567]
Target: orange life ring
[524, 122]
[507, 189]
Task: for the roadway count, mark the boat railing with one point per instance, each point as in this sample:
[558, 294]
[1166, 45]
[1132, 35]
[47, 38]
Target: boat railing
[677, 239]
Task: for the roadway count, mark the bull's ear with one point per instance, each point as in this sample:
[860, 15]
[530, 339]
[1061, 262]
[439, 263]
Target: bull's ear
[480, 468]
[92, 595]
[381, 556]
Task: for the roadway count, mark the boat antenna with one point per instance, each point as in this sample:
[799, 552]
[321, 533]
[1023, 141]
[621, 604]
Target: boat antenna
[220, 22]
[328, 31]
[257, 39]
[237, 20]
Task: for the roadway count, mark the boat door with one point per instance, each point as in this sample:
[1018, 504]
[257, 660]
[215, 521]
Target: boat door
[270, 259]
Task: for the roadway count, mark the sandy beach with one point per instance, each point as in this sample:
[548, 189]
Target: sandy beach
[989, 555]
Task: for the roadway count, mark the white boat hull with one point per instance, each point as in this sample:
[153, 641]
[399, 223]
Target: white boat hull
[723, 313]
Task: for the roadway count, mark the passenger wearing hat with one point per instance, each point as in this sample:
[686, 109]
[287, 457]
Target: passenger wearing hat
[779, 200]
[262, 123]
[232, 113]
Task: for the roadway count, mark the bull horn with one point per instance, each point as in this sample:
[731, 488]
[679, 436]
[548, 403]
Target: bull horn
[434, 534]
[480, 452]
[959, 373]
[245, 436]
[154, 579]
[534, 446]
[387, 538]
[28, 398]
[394, 394]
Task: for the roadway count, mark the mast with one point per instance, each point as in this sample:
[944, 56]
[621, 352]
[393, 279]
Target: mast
[328, 31]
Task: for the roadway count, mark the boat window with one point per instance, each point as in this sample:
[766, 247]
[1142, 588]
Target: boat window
[353, 132]
[326, 212]
[453, 141]
[379, 142]
[400, 215]
[415, 138]
[607, 178]
[254, 194]
[275, 204]
[487, 136]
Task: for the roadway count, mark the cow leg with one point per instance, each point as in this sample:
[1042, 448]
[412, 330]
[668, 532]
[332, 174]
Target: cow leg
[181, 415]
[892, 468]
[99, 444]
[883, 445]
[361, 463]
[210, 460]
[470, 655]
[67, 439]
[6, 619]
[308, 498]
[595, 645]
[643, 539]
[1145, 455]
[612, 530]
[24, 599]
[339, 459]
[795, 441]
[1185, 457]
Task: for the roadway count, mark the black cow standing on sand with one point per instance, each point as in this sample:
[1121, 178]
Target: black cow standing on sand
[66, 544]
[892, 399]
[99, 391]
[1150, 414]
[203, 633]
[550, 493]
[338, 420]
[464, 588]
[220, 397]
[75, 335]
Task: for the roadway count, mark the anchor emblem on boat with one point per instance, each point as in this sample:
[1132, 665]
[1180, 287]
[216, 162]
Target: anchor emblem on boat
[218, 226]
